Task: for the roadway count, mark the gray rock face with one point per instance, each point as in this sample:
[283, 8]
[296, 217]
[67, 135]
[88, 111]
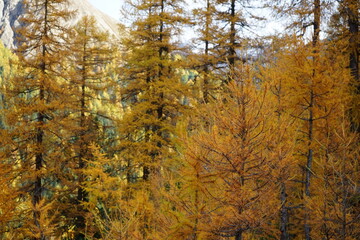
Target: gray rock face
[11, 10]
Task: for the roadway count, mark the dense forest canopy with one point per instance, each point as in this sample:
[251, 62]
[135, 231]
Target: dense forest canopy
[236, 134]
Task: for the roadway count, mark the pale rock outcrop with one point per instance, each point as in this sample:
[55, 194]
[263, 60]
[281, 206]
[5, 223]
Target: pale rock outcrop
[11, 11]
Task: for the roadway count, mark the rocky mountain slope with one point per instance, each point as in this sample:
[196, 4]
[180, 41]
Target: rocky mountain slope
[11, 10]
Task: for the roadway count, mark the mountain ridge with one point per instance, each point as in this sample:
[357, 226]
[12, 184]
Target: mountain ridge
[11, 10]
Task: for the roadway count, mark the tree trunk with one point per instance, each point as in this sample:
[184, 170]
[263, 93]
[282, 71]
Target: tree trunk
[232, 49]
[308, 168]
[238, 235]
[82, 194]
[284, 215]
[39, 158]
[207, 63]
[353, 24]
[38, 188]
[352, 9]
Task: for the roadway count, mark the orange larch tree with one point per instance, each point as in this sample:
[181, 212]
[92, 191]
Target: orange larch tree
[37, 94]
[91, 52]
[156, 98]
[233, 164]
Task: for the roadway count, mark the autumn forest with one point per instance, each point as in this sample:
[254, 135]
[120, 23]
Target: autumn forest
[235, 134]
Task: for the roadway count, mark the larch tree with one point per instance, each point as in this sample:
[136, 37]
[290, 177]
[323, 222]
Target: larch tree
[230, 156]
[340, 214]
[155, 97]
[329, 100]
[222, 26]
[90, 53]
[307, 14]
[344, 162]
[232, 22]
[8, 202]
[36, 115]
[352, 9]
[344, 33]
[269, 151]
[284, 164]
[191, 198]
[336, 204]
[205, 62]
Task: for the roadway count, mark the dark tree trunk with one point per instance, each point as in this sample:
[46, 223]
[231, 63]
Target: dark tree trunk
[39, 157]
[353, 24]
[352, 9]
[38, 188]
[284, 215]
[238, 235]
[309, 162]
[232, 47]
[82, 194]
[207, 63]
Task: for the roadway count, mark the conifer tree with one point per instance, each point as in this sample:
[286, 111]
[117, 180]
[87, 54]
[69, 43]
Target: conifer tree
[284, 162]
[272, 154]
[154, 94]
[37, 93]
[206, 62]
[191, 197]
[8, 203]
[100, 215]
[352, 9]
[345, 201]
[91, 53]
[345, 33]
[330, 97]
[232, 164]
[231, 15]
[307, 14]
[221, 27]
